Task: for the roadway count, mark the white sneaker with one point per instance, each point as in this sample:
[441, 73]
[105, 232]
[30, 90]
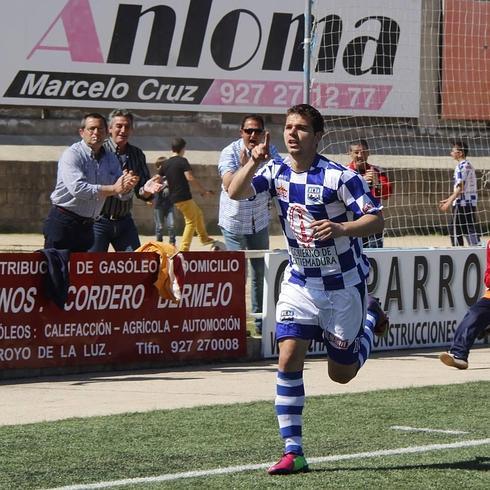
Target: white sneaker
[449, 360]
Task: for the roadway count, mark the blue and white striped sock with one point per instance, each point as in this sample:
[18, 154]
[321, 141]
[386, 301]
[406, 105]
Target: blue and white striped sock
[289, 403]
[367, 337]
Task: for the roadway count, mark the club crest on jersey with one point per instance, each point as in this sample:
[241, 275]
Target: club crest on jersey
[314, 193]
[282, 192]
[286, 315]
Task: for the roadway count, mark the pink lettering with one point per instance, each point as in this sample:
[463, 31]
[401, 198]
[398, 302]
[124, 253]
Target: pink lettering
[82, 39]
[367, 97]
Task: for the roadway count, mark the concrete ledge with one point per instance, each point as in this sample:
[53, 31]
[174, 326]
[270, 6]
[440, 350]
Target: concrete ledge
[210, 152]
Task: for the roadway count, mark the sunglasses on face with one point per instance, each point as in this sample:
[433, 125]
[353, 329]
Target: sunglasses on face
[253, 130]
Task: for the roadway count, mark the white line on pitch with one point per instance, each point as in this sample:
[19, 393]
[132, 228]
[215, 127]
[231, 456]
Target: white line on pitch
[421, 429]
[238, 469]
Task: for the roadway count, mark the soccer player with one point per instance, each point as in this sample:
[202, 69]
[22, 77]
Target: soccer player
[325, 209]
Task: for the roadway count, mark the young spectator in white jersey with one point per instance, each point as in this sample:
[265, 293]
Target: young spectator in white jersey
[325, 209]
[462, 202]
[245, 224]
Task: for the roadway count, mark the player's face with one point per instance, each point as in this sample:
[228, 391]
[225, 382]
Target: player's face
[94, 133]
[120, 130]
[299, 137]
[251, 133]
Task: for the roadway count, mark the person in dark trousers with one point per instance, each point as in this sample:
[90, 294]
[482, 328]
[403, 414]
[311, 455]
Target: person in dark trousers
[115, 225]
[463, 201]
[474, 325]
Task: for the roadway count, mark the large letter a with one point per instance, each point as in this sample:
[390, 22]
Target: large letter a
[78, 22]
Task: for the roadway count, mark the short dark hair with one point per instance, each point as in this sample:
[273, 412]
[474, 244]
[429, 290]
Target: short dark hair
[254, 117]
[310, 113]
[160, 161]
[360, 142]
[93, 115]
[178, 144]
[461, 145]
[121, 113]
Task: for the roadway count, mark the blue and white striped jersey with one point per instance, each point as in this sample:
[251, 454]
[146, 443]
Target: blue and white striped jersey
[465, 173]
[327, 190]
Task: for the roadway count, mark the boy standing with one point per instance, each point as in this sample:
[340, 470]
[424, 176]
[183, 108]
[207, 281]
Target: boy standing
[462, 202]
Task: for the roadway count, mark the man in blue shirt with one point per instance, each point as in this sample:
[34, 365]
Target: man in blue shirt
[245, 224]
[87, 174]
[325, 209]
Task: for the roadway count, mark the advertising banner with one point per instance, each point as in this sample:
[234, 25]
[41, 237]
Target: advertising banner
[211, 55]
[465, 60]
[425, 292]
[113, 314]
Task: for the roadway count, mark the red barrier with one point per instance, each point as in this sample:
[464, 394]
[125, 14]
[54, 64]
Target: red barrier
[114, 315]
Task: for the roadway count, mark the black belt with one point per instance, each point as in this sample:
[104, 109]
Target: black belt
[113, 217]
[81, 219]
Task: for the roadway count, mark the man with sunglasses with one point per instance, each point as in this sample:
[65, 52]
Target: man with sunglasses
[245, 224]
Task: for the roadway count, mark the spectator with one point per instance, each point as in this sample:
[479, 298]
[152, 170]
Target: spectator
[324, 209]
[115, 225]
[462, 202]
[178, 172]
[474, 325]
[245, 224]
[376, 178]
[163, 209]
[87, 174]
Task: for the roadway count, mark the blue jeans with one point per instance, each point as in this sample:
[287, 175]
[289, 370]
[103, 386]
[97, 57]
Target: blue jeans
[475, 321]
[161, 216]
[254, 241]
[120, 233]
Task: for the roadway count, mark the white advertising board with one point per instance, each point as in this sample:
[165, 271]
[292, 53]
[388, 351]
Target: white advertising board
[426, 293]
[211, 55]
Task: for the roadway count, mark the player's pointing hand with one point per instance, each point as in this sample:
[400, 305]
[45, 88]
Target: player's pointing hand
[260, 153]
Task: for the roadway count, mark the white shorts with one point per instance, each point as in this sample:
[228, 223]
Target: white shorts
[336, 317]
